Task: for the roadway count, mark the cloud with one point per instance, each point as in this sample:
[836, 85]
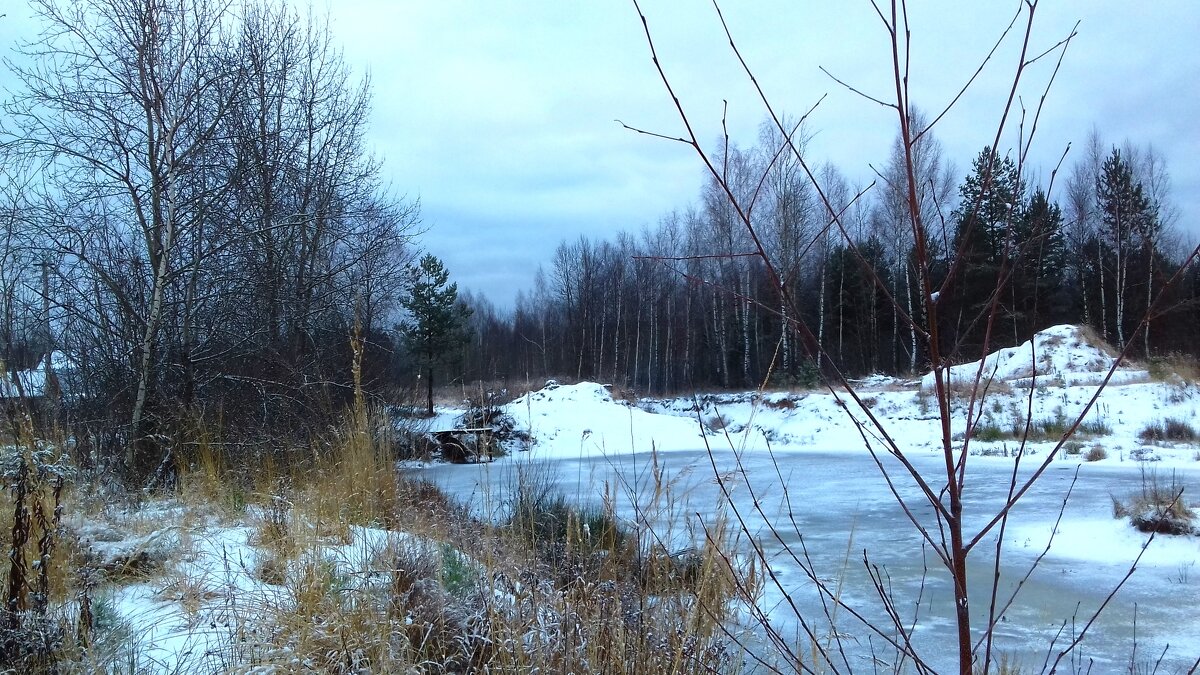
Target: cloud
[502, 115]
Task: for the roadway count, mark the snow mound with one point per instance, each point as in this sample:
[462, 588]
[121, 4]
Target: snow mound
[582, 420]
[1066, 353]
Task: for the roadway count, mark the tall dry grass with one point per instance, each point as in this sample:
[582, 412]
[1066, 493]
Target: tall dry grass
[327, 559]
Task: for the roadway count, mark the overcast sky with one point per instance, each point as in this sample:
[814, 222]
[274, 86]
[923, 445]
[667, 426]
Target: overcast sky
[501, 116]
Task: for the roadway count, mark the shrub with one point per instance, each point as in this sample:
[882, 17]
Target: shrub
[989, 431]
[1094, 427]
[1053, 427]
[1174, 367]
[1095, 454]
[805, 377]
[1170, 429]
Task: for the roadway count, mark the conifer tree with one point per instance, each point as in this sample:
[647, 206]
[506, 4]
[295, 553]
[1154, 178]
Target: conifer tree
[437, 322]
[1039, 291]
[1129, 230]
[985, 241]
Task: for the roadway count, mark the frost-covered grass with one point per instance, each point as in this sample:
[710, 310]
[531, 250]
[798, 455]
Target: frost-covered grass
[1158, 507]
[338, 563]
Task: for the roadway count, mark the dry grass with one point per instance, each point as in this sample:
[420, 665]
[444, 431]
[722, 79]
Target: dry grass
[1090, 337]
[781, 403]
[1175, 368]
[553, 589]
[1157, 507]
[338, 564]
[1169, 430]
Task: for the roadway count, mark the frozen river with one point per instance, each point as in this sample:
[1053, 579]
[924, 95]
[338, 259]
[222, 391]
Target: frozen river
[841, 507]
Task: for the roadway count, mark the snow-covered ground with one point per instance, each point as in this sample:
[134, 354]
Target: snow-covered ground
[201, 594]
[791, 458]
[1064, 368]
[815, 441]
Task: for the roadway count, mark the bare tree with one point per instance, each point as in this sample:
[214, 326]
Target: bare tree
[913, 219]
[917, 208]
[201, 173]
[119, 102]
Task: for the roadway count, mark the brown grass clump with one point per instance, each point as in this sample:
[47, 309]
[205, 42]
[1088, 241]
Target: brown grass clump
[782, 403]
[1090, 337]
[1175, 368]
[1168, 430]
[1157, 507]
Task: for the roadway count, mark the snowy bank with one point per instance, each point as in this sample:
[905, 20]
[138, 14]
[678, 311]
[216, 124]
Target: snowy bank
[583, 420]
[1055, 375]
[1061, 354]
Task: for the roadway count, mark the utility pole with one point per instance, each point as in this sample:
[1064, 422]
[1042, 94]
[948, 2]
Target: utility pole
[47, 342]
[51, 392]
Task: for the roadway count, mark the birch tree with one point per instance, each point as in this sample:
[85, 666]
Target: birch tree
[121, 100]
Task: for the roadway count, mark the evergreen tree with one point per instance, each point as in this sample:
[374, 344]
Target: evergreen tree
[437, 322]
[985, 240]
[1129, 232]
[859, 313]
[1039, 290]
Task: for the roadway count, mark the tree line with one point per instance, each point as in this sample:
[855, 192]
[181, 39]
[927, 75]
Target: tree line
[685, 304]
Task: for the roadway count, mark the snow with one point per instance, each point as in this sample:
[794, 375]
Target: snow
[583, 420]
[201, 610]
[1076, 540]
[570, 420]
[1062, 353]
[31, 383]
[27, 383]
[205, 606]
[1050, 379]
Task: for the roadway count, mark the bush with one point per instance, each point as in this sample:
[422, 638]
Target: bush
[988, 431]
[1174, 367]
[1095, 427]
[1170, 429]
[1095, 454]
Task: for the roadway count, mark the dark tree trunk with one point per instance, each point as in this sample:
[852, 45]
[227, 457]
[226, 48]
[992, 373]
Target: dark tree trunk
[429, 389]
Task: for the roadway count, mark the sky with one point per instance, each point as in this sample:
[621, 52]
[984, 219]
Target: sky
[504, 117]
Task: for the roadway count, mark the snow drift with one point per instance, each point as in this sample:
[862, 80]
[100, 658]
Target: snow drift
[1064, 354]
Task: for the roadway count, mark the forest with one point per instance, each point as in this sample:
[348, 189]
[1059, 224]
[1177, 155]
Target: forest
[688, 303]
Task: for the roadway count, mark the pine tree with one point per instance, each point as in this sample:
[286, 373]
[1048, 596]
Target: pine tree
[1040, 297]
[859, 316]
[437, 322]
[1129, 231]
[985, 241]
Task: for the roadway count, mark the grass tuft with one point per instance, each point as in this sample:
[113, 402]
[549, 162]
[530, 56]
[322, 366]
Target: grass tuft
[1157, 507]
[1168, 430]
